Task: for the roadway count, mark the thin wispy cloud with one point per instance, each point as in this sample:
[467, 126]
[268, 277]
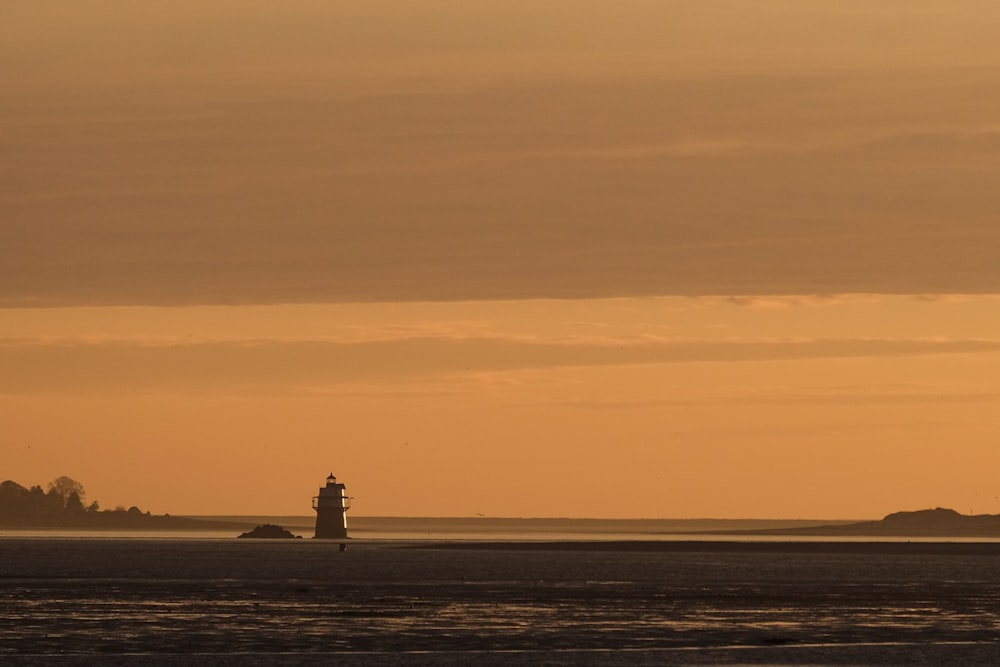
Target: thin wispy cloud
[60, 366]
[867, 396]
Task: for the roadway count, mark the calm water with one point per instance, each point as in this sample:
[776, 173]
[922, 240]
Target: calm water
[497, 529]
[420, 528]
[92, 600]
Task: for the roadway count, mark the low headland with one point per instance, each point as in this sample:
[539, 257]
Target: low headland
[937, 522]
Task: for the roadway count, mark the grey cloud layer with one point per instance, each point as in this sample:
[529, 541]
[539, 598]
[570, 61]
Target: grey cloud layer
[344, 186]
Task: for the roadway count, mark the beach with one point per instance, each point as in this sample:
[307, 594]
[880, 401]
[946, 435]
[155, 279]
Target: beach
[401, 602]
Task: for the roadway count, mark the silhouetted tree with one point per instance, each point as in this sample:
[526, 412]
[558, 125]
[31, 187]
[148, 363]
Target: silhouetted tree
[74, 505]
[13, 498]
[63, 487]
[38, 503]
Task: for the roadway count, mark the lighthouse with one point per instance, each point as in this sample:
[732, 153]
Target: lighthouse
[331, 507]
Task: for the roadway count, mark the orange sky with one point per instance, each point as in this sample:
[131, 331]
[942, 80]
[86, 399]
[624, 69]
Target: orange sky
[644, 259]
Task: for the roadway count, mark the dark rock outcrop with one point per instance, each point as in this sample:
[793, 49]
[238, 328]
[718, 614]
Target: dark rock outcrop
[269, 531]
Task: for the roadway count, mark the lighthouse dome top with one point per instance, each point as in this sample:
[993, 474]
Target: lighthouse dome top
[331, 479]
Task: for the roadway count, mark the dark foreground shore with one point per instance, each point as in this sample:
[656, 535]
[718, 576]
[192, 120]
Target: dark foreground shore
[303, 602]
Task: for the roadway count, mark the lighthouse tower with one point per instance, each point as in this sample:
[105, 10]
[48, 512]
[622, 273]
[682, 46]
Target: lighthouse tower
[331, 507]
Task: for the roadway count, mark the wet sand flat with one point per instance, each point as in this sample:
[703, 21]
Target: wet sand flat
[162, 601]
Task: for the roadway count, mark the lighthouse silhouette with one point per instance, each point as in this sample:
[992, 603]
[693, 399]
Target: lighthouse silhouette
[331, 507]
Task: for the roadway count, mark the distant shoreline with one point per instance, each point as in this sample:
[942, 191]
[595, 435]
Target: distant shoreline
[729, 546]
[120, 521]
[922, 525]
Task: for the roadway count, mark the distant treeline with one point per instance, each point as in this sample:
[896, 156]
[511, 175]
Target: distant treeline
[64, 498]
[61, 505]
